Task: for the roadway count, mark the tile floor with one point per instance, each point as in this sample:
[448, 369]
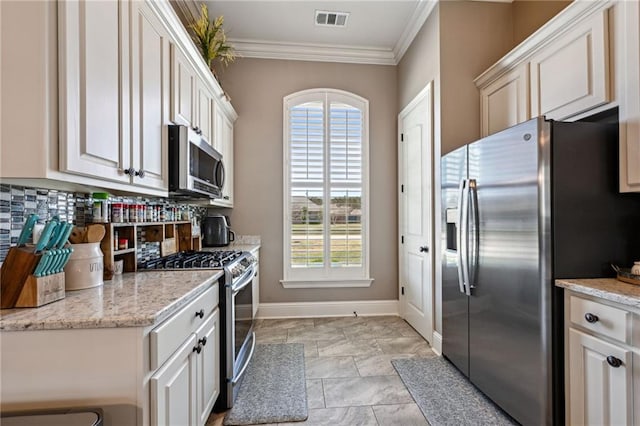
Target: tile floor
[350, 379]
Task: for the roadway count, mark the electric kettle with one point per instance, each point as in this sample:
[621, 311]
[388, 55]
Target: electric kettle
[216, 231]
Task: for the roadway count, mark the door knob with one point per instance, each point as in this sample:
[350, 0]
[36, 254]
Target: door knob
[424, 249]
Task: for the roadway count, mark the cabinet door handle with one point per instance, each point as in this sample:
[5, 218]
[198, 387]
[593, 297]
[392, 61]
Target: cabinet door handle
[200, 313]
[613, 361]
[203, 341]
[424, 249]
[226, 197]
[130, 171]
[140, 173]
[591, 318]
[197, 348]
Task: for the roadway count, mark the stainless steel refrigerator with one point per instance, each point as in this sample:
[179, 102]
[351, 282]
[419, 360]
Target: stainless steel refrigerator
[525, 206]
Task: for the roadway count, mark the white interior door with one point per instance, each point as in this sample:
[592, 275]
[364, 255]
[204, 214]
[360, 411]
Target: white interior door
[416, 213]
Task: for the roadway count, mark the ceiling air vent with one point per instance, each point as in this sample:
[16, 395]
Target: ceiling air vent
[331, 19]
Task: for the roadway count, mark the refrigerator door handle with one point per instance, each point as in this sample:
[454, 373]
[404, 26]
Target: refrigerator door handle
[459, 232]
[464, 247]
[475, 236]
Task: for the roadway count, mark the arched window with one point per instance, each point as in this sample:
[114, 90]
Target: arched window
[326, 189]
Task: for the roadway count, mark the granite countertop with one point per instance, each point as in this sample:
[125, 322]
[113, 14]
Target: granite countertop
[242, 242]
[605, 288]
[232, 246]
[129, 300]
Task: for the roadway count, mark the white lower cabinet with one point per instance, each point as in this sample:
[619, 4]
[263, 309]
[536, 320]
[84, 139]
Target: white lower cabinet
[601, 377]
[185, 358]
[165, 375]
[173, 388]
[185, 388]
[208, 367]
[599, 362]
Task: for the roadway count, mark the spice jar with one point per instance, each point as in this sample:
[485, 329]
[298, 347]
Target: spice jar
[117, 213]
[141, 212]
[100, 207]
[123, 244]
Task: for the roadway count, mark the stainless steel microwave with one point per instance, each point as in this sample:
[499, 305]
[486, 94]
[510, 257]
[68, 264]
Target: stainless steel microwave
[195, 167]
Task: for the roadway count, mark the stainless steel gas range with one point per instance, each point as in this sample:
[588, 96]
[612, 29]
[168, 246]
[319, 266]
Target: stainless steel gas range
[236, 312]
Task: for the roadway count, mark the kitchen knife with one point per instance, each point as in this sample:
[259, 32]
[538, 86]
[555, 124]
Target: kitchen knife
[64, 253]
[56, 261]
[45, 236]
[64, 258]
[55, 236]
[43, 265]
[68, 227]
[27, 229]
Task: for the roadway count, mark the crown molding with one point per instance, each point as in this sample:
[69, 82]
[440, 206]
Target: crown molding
[419, 17]
[312, 52]
[262, 49]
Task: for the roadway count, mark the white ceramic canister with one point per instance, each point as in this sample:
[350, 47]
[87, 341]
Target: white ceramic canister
[84, 269]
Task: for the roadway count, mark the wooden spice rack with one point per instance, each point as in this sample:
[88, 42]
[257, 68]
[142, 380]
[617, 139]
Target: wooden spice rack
[172, 236]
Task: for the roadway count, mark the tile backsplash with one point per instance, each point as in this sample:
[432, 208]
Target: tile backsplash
[18, 202]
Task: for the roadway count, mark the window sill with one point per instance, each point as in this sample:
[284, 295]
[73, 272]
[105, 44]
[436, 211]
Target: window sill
[327, 283]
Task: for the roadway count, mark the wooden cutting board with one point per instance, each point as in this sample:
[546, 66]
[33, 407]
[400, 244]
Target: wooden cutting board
[168, 247]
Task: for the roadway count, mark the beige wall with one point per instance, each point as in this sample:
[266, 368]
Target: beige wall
[473, 36]
[529, 15]
[257, 87]
[421, 62]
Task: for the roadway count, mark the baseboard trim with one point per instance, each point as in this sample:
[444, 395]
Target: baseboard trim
[437, 343]
[327, 309]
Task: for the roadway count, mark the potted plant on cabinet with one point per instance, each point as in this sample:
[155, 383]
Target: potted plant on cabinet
[211, 39]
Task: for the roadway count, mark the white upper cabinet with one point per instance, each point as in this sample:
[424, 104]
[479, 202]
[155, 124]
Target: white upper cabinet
[627, 65]
[150, 94]
[571, 74]
[89, 89]
[204, 112]
[115, 102]
[183, 83]
[223, 127]
[561, 71]
[505, 101]
[94, 115]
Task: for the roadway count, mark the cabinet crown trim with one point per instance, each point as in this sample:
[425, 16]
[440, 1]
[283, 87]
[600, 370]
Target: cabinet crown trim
[574, 13]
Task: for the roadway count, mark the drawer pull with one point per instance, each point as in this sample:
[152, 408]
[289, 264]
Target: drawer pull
[613, 361]
[197, 348]
[200, 313]
[590, 317]
[203, 341]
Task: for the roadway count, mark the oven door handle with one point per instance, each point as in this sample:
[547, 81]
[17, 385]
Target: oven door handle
[235, 290]
[246, 364]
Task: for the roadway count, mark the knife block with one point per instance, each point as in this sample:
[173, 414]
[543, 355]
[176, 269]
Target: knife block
[39, 291]
[16, 268]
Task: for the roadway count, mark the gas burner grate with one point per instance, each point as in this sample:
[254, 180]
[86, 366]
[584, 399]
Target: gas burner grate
[193, 260]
